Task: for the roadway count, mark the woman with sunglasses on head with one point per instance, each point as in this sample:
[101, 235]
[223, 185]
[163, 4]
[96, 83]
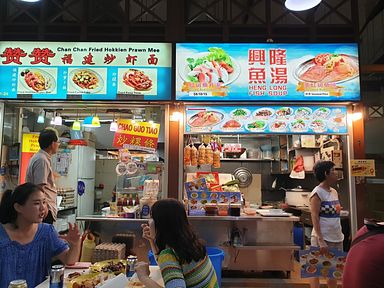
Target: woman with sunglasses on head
[182, 258]
[26, 244]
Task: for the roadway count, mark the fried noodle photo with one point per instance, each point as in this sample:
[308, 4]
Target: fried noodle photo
[86, 79]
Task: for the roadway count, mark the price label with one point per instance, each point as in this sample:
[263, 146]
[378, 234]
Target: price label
[200, 93]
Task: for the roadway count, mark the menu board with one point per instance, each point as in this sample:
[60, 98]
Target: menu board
[85, 71]
[314, 264]
[267, 72]
[266, 119]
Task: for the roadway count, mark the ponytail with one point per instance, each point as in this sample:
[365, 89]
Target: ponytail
[7, 211]
[20, 195]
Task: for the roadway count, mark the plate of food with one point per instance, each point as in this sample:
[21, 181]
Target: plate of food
[299, 126]
[137, 80]
[337, 274]
[284, 113]
[114, 266]
[328, 68]
[37, 80]
[256, 126]
[232, 125]
[278, 126]
[240, 113]
[212, 67]
[205, 119]
[322, 112]
[311, 269]
[339, 120]
[318, 126]
[90, 280]
[86, 80]
[303, 113]
[263, 113]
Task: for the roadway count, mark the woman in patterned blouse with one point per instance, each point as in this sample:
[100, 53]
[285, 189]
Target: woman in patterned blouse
[182, 258]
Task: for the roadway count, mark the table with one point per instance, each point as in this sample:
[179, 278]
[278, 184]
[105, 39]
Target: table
[155, 275]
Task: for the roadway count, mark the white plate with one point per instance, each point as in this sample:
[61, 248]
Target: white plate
[46, 75]
[78, 88]
[184, 69]
[263, 117]
[240, 117]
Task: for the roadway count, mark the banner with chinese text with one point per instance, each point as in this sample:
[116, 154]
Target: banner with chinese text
[85, 71]
[29, 147]
[266, 119]
[363, 168]
[267, 72]
[136, 135]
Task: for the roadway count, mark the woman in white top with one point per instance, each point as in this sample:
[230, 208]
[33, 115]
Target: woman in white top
[325, 214]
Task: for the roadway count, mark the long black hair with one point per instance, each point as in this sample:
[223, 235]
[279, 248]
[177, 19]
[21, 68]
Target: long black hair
[20, 195]
[173, 230]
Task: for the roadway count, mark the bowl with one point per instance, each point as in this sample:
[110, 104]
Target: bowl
[250, 211]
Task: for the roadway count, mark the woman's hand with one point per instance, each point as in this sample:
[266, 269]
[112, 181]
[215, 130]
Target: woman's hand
[73, 236]
[142, 270]
[323, 246]
[147, 232]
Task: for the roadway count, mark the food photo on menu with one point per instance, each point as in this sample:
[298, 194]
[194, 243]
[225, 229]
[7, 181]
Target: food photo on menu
[87, 81]
[315, 264]
[37, 80]
[294, 119]
[137, 81]
[277, 72]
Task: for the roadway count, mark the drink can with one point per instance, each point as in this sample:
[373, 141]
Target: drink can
[18, 284]
[57, 276]
[131, 262]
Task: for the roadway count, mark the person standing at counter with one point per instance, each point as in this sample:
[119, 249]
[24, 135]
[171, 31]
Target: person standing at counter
[182, 258]
[325, 214]
[40, 173]
[27, 245]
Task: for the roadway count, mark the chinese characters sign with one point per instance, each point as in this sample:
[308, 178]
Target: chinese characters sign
[363, 168]
[85, 71]
[266, 119]
[136, 135]
[272, 72]
[29, 147]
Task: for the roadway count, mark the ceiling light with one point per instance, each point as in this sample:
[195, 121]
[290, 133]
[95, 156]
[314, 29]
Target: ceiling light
[113, 126]
[30, 1]
[301, 5]
[356, 116]
[41, 118]
[91, 121]
[176, 116]
[76, 125]
[58, 120]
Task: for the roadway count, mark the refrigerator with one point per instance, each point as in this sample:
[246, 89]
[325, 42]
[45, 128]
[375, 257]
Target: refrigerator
[79, 174]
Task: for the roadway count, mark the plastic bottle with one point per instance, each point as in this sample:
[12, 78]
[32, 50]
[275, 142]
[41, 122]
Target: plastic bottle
[130, 202]
[87, 248]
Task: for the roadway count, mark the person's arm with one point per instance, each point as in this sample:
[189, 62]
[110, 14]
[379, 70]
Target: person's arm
[73, 238]
[315, 203]
[142, 272]
[148, 235]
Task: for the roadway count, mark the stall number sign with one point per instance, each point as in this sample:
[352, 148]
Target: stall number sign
[363, 168]
[136, 135]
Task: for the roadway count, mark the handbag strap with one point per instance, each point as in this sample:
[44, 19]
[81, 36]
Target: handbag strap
[366, 235]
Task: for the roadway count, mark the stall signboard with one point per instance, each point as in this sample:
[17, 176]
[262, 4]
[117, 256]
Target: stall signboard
[267, 72]
[29, 147]
[266, 119]
[136, 135]
[363, 168]
[85, 71]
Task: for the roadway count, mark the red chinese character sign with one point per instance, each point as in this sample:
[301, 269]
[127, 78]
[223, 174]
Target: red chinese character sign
[85, 71]
[267, 72]
[136, 135]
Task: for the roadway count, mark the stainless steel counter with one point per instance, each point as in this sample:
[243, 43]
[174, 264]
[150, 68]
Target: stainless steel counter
[101, 218]
[267, 242]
